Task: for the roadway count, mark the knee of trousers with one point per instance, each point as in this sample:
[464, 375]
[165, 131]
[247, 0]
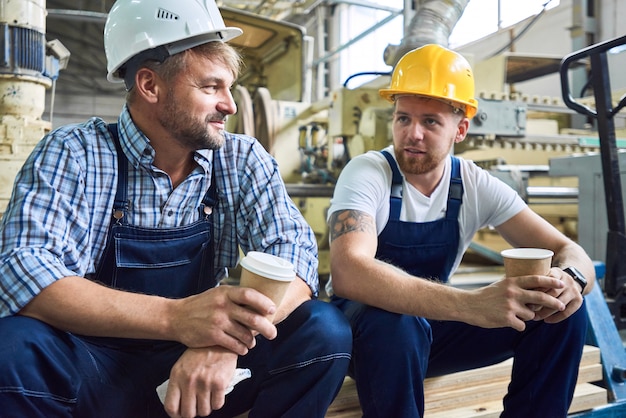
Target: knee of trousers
[378, 326]
[577, 323]
[572, 330]
[385, 342]
[318, 323]
[37, 359]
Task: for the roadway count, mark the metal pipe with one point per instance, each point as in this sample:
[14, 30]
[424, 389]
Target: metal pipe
[79, 15]
[552, 192]
[357, 38]
[432, 24]
[362, 3]
[310, 190]
[535, 192]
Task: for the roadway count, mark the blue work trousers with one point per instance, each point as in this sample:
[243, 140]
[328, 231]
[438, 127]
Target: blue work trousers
[393, 354]
[45, 372]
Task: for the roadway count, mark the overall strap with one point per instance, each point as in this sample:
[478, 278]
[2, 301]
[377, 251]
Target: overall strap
[210, 202]
[211, 197]
[395, 200]
[455, 194]
[120, 204]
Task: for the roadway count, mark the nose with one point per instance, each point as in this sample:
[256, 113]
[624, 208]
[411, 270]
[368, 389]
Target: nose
[416, 131]
[227, 104]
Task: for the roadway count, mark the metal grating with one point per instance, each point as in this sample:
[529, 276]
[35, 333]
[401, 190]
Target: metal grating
[23, 50]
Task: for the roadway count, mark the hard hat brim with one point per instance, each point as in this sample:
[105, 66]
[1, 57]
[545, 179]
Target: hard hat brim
[470, 107]
[223, 35]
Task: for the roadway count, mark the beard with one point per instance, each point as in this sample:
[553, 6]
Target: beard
[424, 164]
[188, 130]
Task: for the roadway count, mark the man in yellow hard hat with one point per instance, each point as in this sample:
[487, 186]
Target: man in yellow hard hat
[117, 237]
[400, 221]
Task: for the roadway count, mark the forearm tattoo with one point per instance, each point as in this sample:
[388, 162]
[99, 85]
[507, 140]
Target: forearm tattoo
[345, 221]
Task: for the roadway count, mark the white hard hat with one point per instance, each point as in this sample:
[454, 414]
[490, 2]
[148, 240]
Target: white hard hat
[160, 28]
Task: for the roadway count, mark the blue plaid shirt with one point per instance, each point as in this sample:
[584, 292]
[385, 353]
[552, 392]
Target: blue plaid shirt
[56, 222]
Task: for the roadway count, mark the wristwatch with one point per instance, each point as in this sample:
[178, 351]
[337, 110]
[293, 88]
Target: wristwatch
[577, 276]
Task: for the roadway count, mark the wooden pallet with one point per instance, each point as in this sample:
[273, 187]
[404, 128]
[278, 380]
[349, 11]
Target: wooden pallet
[479, 392]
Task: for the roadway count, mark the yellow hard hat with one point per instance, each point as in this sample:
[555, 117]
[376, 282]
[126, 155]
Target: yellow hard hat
[437, 72]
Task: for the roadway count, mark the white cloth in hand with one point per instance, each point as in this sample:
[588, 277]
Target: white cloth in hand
[240, 374]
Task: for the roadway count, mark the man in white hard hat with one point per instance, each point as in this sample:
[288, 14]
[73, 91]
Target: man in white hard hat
[116, 238]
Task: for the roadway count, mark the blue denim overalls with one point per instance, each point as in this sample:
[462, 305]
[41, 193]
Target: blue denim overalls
[48, 372]
[170, 262]
[422, 249]
[393, 353]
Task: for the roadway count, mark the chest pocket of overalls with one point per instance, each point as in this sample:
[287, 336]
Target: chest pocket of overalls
[423, 250]
[171, 263]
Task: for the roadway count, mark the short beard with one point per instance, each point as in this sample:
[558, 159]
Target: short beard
[411, 166]
[189, 131]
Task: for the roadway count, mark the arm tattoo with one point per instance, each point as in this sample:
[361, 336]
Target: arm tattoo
[345, 221]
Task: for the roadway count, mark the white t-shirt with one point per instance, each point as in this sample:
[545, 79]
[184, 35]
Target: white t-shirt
[365, 185]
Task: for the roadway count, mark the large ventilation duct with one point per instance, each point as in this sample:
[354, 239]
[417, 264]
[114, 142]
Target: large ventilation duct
[432, 24]
[28, 66]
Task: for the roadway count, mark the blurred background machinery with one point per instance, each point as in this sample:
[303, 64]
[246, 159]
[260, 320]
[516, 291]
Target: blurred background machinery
[292, 98]
[29, 65]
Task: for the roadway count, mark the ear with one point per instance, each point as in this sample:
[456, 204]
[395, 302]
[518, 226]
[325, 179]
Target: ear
[461, 131]
[147, 85]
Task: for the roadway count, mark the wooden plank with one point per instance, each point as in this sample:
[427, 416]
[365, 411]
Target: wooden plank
[346, 399]
[586, 396]
[475, 394]
[480, 391]
[496, 372]
[444, 399]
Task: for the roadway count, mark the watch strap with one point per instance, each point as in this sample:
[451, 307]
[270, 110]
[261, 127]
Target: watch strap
[577, 276]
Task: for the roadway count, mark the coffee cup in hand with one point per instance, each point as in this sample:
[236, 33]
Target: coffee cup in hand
[527, 262]
[267, 273]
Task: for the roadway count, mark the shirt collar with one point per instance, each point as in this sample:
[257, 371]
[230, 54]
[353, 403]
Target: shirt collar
[137, 146]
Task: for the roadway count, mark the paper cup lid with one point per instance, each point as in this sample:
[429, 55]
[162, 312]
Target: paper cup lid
[268, 265]
[527, 253]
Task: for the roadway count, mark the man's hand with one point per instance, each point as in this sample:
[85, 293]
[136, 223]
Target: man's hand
[198, 382]
[509, 302]
[569, 295]
[226, 316]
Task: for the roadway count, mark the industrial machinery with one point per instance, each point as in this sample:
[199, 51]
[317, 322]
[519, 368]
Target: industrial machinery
[513, 135]
[29, 66]
[606, 314]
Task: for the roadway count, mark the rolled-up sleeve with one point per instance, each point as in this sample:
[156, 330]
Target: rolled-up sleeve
[47, 227]
[265, 218]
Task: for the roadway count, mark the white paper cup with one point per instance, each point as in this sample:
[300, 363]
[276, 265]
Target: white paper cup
[526, 261]
[267, 273]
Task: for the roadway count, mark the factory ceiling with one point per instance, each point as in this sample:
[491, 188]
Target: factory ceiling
[79, 24]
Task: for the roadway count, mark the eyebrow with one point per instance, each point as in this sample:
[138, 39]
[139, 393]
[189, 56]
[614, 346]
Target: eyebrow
[211, 80]
[421, 115]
